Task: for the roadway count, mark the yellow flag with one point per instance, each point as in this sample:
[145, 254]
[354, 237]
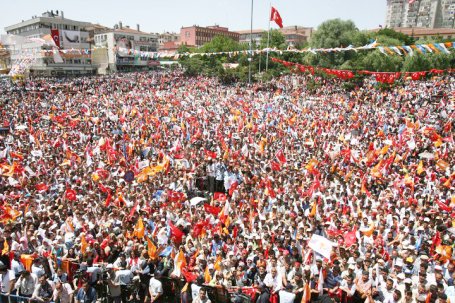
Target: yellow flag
[420, 168]
[5, 248]
[313, 209]
[139, 229]
[384, 149]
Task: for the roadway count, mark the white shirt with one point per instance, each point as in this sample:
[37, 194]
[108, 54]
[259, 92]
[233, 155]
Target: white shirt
[5, 282]
[17, 267]
[273, 282]
[155, 287]
[64, 295]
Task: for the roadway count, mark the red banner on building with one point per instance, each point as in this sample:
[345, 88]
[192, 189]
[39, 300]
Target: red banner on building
[56, 37]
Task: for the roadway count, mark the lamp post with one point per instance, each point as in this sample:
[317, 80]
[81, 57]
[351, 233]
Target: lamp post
[250, 57]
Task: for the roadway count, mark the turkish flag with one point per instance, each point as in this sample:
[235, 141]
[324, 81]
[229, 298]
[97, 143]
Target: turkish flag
[350, 238]
[189, 276]
[176, 233]
[41, 187]
[443, 206]
[275, 16]
[56, 37]
[233, 188]
[275, 165]
[214, 210]
[280, 156]
[70, 194]
[217, 196]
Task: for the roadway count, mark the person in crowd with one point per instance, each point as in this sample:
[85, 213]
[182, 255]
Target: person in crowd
[125, 171]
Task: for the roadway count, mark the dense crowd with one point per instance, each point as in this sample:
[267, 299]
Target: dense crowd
[111, 184]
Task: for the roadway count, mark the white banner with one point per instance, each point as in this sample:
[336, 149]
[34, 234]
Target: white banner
[71, 39]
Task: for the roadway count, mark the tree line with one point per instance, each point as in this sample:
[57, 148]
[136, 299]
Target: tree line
[330, 34]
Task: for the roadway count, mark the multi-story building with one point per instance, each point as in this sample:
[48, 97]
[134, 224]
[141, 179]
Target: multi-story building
[296, 35]
[421, 13]
[167, 37]
[245, 36]
[168, 42]
[127, 48]
[421, 33]
[58, 32]
[198, 36]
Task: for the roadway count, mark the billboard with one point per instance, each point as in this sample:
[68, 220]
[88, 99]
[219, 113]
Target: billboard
[71, 39]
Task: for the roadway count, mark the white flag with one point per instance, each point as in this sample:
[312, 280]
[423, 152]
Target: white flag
[321, 245]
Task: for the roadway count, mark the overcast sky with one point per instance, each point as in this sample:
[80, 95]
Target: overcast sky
[171, 15]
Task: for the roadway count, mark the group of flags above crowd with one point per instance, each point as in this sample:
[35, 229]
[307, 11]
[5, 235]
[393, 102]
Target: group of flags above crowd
[383, 77]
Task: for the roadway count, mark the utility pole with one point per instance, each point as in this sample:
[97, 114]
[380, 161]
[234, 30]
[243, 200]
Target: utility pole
[250, 57]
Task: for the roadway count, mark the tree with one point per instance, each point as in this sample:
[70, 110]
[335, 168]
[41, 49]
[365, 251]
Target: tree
[277, 40]
[331, 34]
[378, 62]
[219, 44]
[388, 32]
[416, 63]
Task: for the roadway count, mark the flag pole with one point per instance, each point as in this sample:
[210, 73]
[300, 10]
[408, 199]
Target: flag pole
[268, 42]
[250, 58]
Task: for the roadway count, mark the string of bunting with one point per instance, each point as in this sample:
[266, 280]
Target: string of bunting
[404, 50]
[386, 50]
[383, 77]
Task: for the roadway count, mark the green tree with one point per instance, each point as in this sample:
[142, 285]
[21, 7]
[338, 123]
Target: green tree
[331, 34]
[277, 40]
[219, 44]
[416, 62]
[388, 32]
[378, 62]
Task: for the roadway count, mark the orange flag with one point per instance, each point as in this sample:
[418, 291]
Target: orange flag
[217, 265]
[84, 244]
[306, 294]
[313, 209]
[369, 231]
[139, 229]
[207, 277]
[151, 249]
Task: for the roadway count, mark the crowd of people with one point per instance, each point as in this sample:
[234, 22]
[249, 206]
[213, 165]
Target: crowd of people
[112, 184]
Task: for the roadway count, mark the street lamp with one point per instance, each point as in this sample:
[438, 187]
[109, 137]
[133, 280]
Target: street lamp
[251, 44]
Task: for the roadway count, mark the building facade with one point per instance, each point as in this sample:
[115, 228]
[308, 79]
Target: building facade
[245, 36]
[57, 31]
[198, 36]
[127, 48]
[420, 13]
[168, 37]
[422, 33]
[296, 35]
